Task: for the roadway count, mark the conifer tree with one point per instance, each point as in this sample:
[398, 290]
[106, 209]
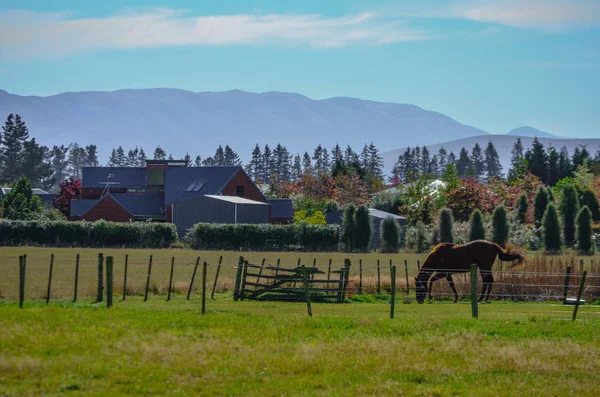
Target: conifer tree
[267, 164]
[585, 242]
[12, 140]
[445, 224]
[141, 159]
[390, 235]
[500, 226]
[553, 169]
[296, 167]
[492, 162]
[219, 156]
[425, 161]
[538, 160]
[476, 228]
[230, 157]
[254, 166]
[36, 165]
[522, 207]
[363, 228]
[77, 158]
[307, 167]
[159, 154]
[348, 226]
[375, 162]
[552, 242]
[569, 206]
[463, 163]
[477, 161]
[539, 205]
[198, 161]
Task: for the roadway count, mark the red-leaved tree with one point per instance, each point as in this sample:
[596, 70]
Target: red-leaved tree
[70, 189]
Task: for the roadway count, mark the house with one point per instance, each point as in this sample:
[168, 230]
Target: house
[376, 217]
[42, 194]
[282, 211]
[170, 191]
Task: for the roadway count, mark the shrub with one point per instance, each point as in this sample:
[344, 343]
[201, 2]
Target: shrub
[388, 202]
[585, 243]
[522, 208]
[264, 237]
[21, 203]
[551, 226]
[362, 228]
[568, 210]
[314, 218]
[500, 226]
[477, 231]
[540, 204]
[421, 238]
[348, 226]
[445, 225]
[88, 234]
[390, 235]
[589, 199]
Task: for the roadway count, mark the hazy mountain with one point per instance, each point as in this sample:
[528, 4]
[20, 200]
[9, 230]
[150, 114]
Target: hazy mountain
[503, 144]
[182, 121]
[530, 132]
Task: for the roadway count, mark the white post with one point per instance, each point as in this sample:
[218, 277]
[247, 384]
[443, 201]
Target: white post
[236, 213]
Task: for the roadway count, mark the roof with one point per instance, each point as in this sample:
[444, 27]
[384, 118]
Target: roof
[382, 214]
[235, 199]
[141, 205]
[36, 191]
[80, 207]
[95, 177]
[47, 198]
[184, 183]
[281, 208]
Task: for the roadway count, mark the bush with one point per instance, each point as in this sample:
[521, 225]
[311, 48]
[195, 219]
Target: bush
[500, 226]
[20, 203]
[263, 237]
[363, 229]
[445, 225]
[568, 210]
[589, 199]
[348, 227]
[522, 208]
[390, 235]
[551, 227]
[88, 234]
[388, 202]
[539, 205]
[585, 243]
[421, 238]
[477, 231]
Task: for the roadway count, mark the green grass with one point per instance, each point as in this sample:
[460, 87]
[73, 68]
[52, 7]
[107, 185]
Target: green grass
[273, 349]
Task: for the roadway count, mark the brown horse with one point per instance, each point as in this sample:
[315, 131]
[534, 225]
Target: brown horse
[448, 258]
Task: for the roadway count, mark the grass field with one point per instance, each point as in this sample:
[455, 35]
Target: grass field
[275, 349]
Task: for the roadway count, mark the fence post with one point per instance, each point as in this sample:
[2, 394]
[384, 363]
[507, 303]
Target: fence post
[193, 276]
[238, 278]
[474, 308]
[328, 272]
[579, 293]
[393, 301]
[244, 276]
[262, 265]
[378, 278]
[212, 295]
[204, 265]
[566, 290]
[347, 265]
[406, 272]
[418, 266]
[50, 278]
[21, 280]
[148, 279]
[360, 276]
[125, 276]
[100, 277]
[171, 278]
[306, 291]
[76, 278]
[109, 281]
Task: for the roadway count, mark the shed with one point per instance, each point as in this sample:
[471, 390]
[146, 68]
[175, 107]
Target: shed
[376, 217]
[218, 209]
[282, 210]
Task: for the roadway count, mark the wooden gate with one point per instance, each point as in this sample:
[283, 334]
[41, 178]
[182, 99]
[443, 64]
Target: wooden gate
[277, 283]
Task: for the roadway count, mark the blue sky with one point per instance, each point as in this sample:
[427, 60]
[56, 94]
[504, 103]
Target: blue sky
[495, 65]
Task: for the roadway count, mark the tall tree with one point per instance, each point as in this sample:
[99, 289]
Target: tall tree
[375, 162]
[565, 168]
[492, 162]
[445, 224]
[60, 162]
[553, 159]
[585, 241]
[36, 165]
[188, 159]
[297, 167]
[219, 156]
[580, 155]
[159, 154]
[12, 140]
[569, 206]
[132, 158]
[320, 160]
[198, 161]
[500, 226]
[463, 163]
[476, 228]
[77, 158]
[230, 157]
[538, 160]
[337, 154]
[442, 156]
[477, 161]
[91, 156]
[551, 225]
[539, 205]
[253, 168]
[518, 164]
[141, 158]
[307, 167]
[267, 164]
[425, 161]
[281, 164]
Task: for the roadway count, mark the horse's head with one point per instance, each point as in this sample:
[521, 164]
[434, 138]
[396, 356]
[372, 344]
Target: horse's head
[421, 288]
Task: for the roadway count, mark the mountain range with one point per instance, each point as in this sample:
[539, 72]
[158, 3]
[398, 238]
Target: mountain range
[197, 122]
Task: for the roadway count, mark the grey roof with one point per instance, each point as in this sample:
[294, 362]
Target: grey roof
[382, 214]
[36, 191]
[210, 179]
[80, 207]
[281, 208]
[47, 198]
[125, 176]
[141, 205]
[235, 199]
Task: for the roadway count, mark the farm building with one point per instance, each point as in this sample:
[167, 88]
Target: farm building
[282, 211]
[170, 191]
[376, 217]
[42, 194]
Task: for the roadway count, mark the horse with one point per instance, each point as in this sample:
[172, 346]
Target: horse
[448, 258]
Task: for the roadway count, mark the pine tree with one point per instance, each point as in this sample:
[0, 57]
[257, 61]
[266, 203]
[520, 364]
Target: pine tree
[425, 161]
[132, 158]
[569, 206]
[580, 155]
[297, 168]
[522, 208]
[208, 162]
[476, 228]
[517, 153]
[363, 228]
[442, 156]
[348, 222]
[553, 169]
[434, 167]
[219, 156]
[281, 165]
[36, 165]
[551, 225]
[159, 154]
[500, 226]
[350, 155]
[492, 162]
[463, 163]
[91, 156]
[188, 159]
[142, 158]
[59, 162]
[390, 235]
[565, 168]
[267, 165]
[254, 168]
[477, 161]
[77, 158]
[326, 161]
[337, 154]
[307, 167]
[588, 198]
[375, 162]
[198, 161]
[231, 157]
[12, 140]
[518, 164]
[452, 159]
[445, 225]
[585, 242]
[539, 205]
[538, 160]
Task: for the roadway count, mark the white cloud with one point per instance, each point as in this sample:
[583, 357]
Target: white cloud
[55, 34]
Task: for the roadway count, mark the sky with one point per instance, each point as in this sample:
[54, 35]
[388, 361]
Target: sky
[492, 64]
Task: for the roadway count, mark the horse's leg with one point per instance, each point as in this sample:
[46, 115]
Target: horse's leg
[490, 285]
[433, 280]
[451, 282]
[486, 278]
[484, 284]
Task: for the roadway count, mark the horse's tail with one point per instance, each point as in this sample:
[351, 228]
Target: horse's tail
[508, 255]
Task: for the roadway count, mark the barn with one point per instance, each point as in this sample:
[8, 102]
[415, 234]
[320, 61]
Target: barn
[376, 217]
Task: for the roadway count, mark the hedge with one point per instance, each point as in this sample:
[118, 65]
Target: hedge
[264, 237]
[87, 234]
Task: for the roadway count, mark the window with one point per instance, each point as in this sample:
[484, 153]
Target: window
[191, 186]
[240, 191]
[156, 176]
[198, 186]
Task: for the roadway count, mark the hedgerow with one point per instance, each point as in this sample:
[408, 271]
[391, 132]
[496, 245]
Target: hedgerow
[87, 234]
[264, 237]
